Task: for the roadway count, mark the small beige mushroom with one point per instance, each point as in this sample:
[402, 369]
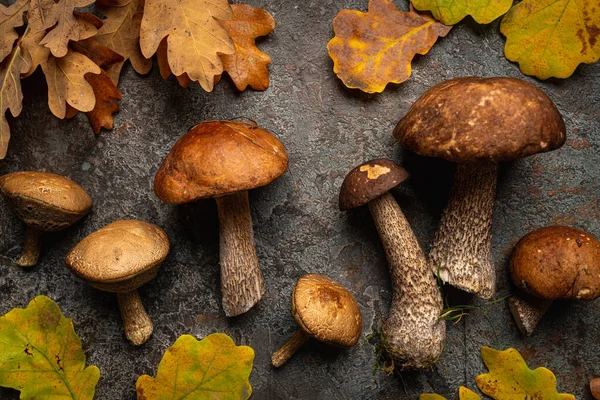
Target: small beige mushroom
[46, 202]
[119, 258]
[323, 310]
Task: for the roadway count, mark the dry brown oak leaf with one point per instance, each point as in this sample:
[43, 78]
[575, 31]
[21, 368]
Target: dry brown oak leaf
[11, 96]
[121, 33]
[10, 18]
[370, 50]
[248, 65]
[165, 70]
[195, 39]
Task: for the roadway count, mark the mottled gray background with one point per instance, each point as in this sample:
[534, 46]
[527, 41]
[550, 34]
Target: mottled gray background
[327, 130]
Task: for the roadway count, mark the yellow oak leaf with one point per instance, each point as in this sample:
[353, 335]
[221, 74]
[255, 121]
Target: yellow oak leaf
[467, 394]
[121, 33]
[213, 368]
[10, 18]
[450, 12]
[195, 39]
[163, 65]
[550, 38]
[370, 50]
[67, 84]
[431, 396]
[11, 96]
[510, 379]
[42, 355]
[248, 65]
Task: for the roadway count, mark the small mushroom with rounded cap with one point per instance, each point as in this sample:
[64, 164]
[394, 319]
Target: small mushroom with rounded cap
[119, 258]
[223, 160]
[324, 310]
[552, 263]
[413, 335]
[46, 202]
[476, 122]
[595, 388]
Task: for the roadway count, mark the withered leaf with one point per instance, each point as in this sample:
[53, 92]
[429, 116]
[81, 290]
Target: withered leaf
[451, 12]
[248, 65]
[163, 65]
[195, 39]
[10, 17]
[11, 96]
[121, 33]
[375, 48]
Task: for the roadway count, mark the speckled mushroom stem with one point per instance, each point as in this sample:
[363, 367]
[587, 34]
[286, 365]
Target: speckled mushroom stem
[413, 334]
[289, 348]
[31, 249]
[242, 283]
[461, 251]
[527, 311]
[136, 322]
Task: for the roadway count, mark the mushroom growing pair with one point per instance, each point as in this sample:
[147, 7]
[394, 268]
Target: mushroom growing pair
[223, 160]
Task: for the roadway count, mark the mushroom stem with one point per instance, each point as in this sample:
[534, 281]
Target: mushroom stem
[31, 249]
[242, 283]
[413, 334]
[279, 357]
[527, 311]
[461, 252]
[136, 322]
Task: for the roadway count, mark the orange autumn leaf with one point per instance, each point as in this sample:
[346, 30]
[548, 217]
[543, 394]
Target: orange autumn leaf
[370, 50]
[11, 95]
[248, 65]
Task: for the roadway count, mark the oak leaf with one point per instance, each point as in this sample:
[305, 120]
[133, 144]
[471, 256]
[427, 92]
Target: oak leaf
[370, 50]
[431, 396]
[10, 18]
[121, 33]
[11, 95]
[550, 38]
[248, 65]
[450, 12]
[163, 65]
[463, 394]
[510, 379]
[213, 368]
[195, 39]
[42, 355]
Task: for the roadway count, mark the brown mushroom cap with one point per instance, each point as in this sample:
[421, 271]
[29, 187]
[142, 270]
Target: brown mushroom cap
[482, 120]
[369, 181]
[121, 256]
[46, 201]
[219, 157]
[326, 311]
[557, 262]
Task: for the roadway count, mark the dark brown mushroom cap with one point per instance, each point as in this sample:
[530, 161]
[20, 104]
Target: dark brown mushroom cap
[557, 262]
[47, 201]
[368, 181]
[219, 157]
[326, 311]
[121, 256]
[482, 120]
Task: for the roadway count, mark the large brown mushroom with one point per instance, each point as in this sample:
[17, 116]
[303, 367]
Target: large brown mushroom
[552, 263]
[46, 202]
[476, 122]
[223, 160]
[324, 310]
[413, 335]
[119, 258]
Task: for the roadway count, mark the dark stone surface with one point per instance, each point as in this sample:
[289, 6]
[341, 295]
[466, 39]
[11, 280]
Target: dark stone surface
[327, 130]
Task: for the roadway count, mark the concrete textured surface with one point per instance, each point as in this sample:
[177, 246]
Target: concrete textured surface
[327, 129]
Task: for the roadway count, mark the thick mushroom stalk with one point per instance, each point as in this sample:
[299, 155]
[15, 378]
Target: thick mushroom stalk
[136, 322]
[461, 252]
[289, 348]
[242, 283]
[413, 334]
[31, 249]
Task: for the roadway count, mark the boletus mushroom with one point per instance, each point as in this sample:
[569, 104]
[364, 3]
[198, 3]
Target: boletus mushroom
[552, 263]
[595, 388]
[324, 310]
[46, 202]
[476, 122]
[223, 160]
[119, 258]
[413, 335]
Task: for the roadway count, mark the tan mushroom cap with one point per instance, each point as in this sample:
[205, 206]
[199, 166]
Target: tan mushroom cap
[121, 256]
[557, 262]
[47, 201]
[482, 120]
[216, 158]
[326, 311]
